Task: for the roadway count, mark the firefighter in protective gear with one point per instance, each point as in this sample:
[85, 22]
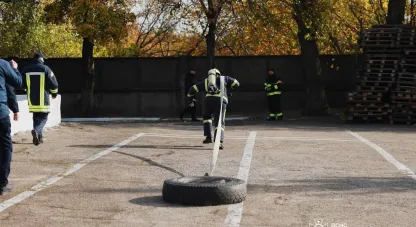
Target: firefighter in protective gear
[39, 82]
[273, 90]
[212, 89]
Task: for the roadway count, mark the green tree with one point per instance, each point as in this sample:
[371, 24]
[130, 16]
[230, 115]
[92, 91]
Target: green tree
[98, 23]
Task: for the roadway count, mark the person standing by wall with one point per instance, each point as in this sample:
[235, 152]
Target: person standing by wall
[8, 75]
[39, 81]
[190, 80]
[273, 91]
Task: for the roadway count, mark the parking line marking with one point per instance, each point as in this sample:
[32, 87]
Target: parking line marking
[44, 184]
[403, 169]
[235, 211]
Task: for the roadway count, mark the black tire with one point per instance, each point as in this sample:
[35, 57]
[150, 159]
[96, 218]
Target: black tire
[204, 191]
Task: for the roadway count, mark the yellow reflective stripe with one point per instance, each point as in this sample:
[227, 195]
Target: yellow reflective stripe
[272, 115]
[206, 84]
[42, 90]
[190, 95]
[274, 93]
[207, 121]
[39, 108]
[196, 88]
[280, 114]
[216, 95]
[28, 89]
[235, 82]
[54, 91]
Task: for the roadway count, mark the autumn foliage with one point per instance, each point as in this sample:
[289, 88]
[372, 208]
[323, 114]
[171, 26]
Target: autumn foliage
[174, 27]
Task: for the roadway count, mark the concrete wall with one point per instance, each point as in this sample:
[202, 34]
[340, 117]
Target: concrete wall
[151, 87]
[25, 122]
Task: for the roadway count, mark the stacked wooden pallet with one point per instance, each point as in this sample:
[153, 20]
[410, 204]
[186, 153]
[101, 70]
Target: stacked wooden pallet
[404, 94]
[377, 77]
[386, 88]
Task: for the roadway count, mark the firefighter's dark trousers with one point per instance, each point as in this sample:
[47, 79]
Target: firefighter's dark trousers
[39, 122]
[212, 108]
[274, 103]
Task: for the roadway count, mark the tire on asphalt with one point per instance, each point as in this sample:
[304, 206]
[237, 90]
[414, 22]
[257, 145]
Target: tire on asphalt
[204, 191]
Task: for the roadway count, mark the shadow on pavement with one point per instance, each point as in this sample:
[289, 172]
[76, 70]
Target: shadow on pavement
[151, 162]
[353, 185]
[153, 201]
[105, 146]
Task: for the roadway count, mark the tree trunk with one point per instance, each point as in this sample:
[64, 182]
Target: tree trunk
[396, 11]
[87, 96]
[316, 102]
[210, 38]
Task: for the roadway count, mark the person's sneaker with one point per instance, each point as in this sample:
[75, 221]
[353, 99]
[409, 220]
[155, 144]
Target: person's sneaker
[6, 189]
[35, 138]
[207, 140]
[221, 146]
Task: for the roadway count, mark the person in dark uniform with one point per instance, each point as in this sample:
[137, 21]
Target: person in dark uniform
[9, 75]
[211, 86]
[39, 81]
[190, 80]
[273, 91]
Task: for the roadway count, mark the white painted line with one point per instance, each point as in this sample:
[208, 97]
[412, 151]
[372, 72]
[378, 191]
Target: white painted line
[110, 119]
[42, 185]
[235, 211]
[403, 169]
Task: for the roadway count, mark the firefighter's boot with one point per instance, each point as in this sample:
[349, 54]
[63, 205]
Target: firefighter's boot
[208, 139]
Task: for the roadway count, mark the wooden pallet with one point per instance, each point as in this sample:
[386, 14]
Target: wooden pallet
[373, 105]
[365, 98]
[383, 56]
[407, 75]
[367, 93]
[382, 62]
[402, 121]
[368, 109]
[368, 118]
[375, 84]
[408, 89]
[406, 105]
[406, 80]
[381, 70]
[378, 79]
[401, 96]
[372, 88]
[385, 75]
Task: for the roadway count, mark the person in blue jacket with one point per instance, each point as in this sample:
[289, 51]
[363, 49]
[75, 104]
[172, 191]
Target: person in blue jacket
[8, 75]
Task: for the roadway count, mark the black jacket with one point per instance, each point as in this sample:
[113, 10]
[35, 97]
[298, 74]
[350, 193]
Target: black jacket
[39, 81]
[190, 80]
